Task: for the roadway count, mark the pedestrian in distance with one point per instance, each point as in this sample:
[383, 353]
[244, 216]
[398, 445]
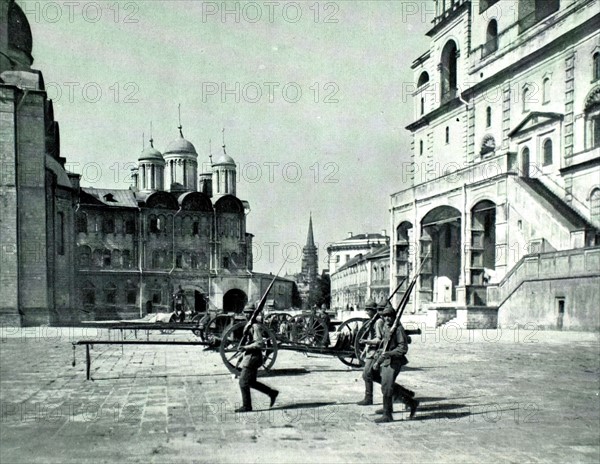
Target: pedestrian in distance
[389, 364]
[251, 361]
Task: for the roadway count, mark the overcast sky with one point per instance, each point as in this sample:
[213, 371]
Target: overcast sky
[310, 95]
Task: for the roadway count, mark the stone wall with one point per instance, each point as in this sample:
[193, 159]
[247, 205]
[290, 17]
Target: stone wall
[537, 302]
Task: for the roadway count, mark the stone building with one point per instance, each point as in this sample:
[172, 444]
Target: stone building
[503, 203]
[349, 270]
[361, 278]
[37, 195]
[71, 253]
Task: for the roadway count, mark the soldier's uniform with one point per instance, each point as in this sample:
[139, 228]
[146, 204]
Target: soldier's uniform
[251, 362]
[391, 361]
[372, 341]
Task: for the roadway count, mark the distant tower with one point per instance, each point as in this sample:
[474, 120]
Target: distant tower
[310, 258]
[181, 164]
[150, 173]
[223, 174]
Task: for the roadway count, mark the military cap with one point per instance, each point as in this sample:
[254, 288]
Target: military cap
[388, 310]
[370, 305]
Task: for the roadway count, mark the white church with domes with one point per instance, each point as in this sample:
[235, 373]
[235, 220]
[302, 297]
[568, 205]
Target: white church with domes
[71, 253]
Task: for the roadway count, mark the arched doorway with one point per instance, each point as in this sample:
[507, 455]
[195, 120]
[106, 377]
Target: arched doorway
[483, 242]
[441, 243]
[234, 301]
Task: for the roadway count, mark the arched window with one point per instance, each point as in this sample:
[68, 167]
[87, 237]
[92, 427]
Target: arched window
[97, 262]
[153, 224]
[447, 135]
[526, 95]
[116, 258]
[525, 162]
[81, 223]
[60, 239]
[131, 293]
[547, 152]
[108, 225]
[84, 256]
[422, 106]
[488, 116]
[491, 38]
[130, 226]
[194, 261]
[449, 71]
[546, 90]
[196, 228]
[106, 258]
[595, 206]
[596, 65]
[423, 79]
[592, 119]
[126, 257]
[88, 294]
[110, 294]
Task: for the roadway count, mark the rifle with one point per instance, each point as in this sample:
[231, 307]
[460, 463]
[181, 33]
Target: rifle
[374, 319]
[399, 312]
[258, 309]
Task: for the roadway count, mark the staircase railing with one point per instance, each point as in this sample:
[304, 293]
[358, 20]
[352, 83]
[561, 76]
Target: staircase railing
[579, 262]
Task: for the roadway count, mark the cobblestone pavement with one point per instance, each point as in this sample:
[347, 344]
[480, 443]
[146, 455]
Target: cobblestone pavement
[486, 397]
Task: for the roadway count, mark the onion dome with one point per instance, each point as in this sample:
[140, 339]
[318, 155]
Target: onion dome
[151, 154]
[181, 146]
[224, 159]
[20, 41]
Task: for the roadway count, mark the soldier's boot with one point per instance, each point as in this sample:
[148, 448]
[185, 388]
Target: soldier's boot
[246, 401]
[405, 391]
[413, 405]
[388, 409]
[402, 395]
[368, 399]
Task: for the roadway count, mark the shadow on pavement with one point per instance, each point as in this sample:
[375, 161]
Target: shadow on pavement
[282, 372]
[313, 404]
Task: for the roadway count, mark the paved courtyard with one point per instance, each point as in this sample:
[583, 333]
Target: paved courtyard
[486, 397]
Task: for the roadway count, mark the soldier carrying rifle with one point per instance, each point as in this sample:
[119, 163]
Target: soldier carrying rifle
[371, 341]
[251, 362]
[392, 354]
[390, 361]
[251, 345]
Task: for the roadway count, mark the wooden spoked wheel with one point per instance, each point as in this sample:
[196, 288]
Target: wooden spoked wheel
[346, 335]
[231, 340]
[200, 320]
[281, 325]
[213, 331]
[310, 330]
